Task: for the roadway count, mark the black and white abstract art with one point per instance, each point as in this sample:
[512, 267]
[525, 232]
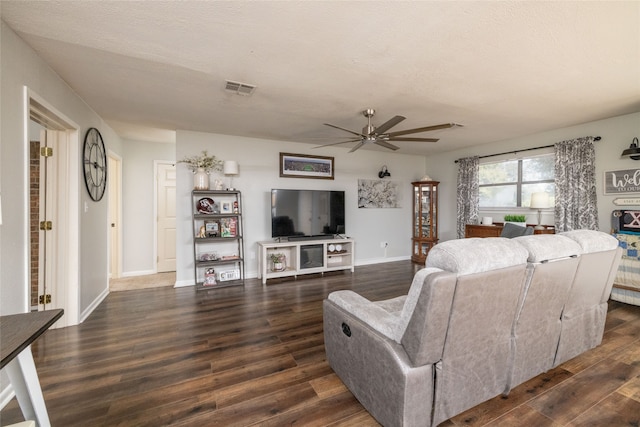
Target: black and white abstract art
[378, 193]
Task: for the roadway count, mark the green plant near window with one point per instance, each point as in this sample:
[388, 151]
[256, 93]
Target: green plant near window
[515, 218]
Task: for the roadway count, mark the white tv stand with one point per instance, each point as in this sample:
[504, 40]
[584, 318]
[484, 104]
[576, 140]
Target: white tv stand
[305, 257]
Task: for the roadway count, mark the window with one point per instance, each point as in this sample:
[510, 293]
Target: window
[510, 183]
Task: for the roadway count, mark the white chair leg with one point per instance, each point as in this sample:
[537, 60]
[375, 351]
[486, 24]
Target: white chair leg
[24, 379]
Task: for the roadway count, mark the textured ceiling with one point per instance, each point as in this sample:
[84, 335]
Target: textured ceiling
[503, 69]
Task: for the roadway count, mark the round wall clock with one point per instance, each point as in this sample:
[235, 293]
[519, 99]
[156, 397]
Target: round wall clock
[95, 164]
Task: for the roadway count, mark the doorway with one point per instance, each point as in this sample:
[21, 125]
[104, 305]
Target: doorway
[55, 241]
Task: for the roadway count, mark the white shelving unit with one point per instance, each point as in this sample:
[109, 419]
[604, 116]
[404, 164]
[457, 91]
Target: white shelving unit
[305, 257]
[218, 254]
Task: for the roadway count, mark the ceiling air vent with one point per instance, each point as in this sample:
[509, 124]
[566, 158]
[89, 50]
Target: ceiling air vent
[239, 88]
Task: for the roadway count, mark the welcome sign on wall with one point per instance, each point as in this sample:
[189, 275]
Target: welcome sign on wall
[622, 181]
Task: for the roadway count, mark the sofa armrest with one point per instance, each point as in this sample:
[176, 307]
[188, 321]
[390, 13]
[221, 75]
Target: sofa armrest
[368, 312]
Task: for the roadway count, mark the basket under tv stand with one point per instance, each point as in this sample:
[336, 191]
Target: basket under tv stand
[305, 256]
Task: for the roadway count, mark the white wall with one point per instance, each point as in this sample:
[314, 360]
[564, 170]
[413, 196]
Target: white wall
[138, 199]
[21, 67]
[617, 133]
[258, 160]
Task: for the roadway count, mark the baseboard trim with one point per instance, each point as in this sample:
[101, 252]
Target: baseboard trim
[96, 302]
[381, 260]
[138, 273]
[184, 283]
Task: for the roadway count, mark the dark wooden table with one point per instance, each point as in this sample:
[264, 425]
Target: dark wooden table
[17, 333]
[479, 230]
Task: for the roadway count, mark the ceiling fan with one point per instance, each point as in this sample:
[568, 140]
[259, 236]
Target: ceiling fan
[380, 136]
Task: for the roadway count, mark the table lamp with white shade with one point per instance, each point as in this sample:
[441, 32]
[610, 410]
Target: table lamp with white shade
[539, 201]
[230, 168]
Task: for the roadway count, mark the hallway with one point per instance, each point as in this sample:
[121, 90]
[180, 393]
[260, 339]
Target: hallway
[157, 280]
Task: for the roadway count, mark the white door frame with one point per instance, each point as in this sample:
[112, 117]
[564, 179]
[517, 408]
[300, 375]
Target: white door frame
[68, 212]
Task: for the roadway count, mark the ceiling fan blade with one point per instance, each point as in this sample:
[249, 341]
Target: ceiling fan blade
[389, 124]
[386, 144]
[424, 129]
[336, 143]
[414, 139]
[346, 130]
[357, 146]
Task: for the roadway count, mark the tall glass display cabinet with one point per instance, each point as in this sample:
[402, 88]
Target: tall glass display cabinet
[425, 219]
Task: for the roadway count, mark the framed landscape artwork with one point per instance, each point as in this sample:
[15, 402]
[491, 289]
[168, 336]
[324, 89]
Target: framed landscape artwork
[303, 166]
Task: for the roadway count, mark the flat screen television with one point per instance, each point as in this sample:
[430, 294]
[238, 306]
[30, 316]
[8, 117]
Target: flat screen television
[306, 213]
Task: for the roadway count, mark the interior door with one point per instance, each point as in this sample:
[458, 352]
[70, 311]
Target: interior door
[114, 176]
[166, 211]
[48, 224]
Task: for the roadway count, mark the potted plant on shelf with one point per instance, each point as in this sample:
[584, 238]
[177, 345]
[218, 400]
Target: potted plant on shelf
[278, 260]
[520, 220]
[202, 165]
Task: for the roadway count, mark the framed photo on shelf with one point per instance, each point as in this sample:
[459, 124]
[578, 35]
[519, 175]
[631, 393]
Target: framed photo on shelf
[211, 228]
[229, 227]
[226, 207]
[304, 166]
[209, 277]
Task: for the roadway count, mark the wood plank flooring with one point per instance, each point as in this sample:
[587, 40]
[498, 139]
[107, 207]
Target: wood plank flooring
[255, 356]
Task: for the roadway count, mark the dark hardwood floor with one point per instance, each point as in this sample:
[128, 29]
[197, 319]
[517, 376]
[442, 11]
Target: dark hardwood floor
[255, 356]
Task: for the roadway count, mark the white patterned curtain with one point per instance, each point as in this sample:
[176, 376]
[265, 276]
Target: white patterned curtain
[576, 201]
[468, 193]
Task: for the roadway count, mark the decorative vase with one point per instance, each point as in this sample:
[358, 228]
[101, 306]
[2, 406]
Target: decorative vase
[200, 180]
[279, 264]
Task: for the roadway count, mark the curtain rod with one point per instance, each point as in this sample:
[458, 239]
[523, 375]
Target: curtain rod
[595, 138]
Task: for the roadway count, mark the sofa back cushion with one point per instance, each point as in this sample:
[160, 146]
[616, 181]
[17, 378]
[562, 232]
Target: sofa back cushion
[425, 315]
[593, 281]
[553, 261]
[477, 346]
[490, 276]
[476, 255]
[584, 314]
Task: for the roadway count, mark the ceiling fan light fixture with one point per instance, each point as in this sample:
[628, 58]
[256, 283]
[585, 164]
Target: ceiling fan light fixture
[633, 151]
[380, 135]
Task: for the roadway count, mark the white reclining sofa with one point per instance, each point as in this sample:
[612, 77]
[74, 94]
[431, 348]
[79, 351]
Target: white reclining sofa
[482, 317]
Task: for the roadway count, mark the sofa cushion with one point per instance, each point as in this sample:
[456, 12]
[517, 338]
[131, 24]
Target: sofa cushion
[584, 314]
[368, 312]
[425, 315]
[548, 247]
[592, 242]
[476, 255]
[389, 317]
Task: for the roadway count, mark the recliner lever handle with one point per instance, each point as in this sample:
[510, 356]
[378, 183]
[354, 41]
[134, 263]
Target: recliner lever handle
[346, 329]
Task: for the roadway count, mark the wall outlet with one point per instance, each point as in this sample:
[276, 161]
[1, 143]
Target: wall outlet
[384, 244]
